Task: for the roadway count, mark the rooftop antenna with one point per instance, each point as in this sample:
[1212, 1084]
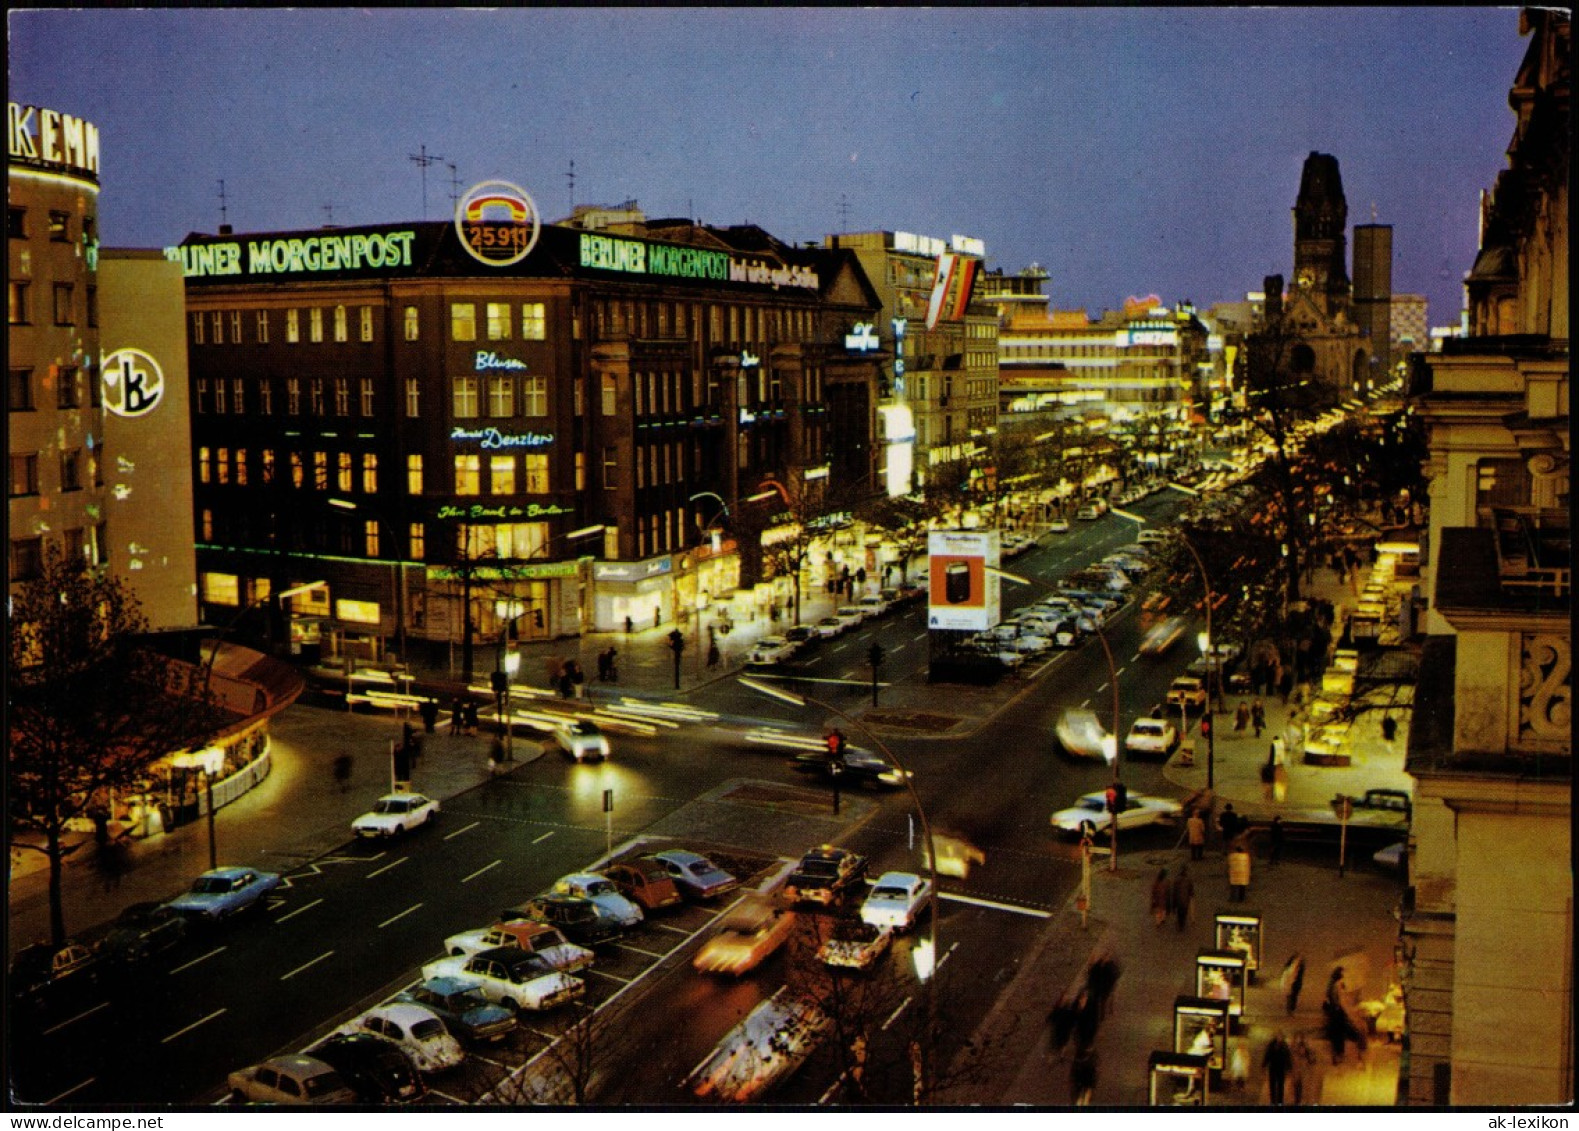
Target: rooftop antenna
[223, 214]
[328, 215]
[1373, 212]
[455, 185]
[844, 213]
[423, 159]
[571, 177]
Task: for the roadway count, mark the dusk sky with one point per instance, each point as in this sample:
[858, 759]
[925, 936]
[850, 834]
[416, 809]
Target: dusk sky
[1127, 151]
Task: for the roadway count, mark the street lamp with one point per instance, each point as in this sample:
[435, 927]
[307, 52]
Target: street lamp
[1212, 682]
[926, 967]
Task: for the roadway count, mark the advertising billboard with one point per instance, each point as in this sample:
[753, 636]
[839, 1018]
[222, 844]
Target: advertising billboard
[961, 593]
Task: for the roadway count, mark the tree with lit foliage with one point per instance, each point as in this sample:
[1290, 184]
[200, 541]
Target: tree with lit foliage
[89, 706]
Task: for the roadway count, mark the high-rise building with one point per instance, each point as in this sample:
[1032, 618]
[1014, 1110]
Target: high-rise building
[1409, 328]
[1373, 295]
[1487, 945]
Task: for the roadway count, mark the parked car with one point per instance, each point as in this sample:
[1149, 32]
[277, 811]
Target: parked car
[223, 893]
[1152, 537]
[43, 975]
[829, 627]
[1090, 813]
[1162, 636]
[800, 635]
[771, 650]
[1151, 736]
[298, 1081]
[142, 931]
[850, 616]
[604, 893]
[581, 740]
[897, 900]
[1088, 513]
[1080, 733]
[1058, 526]
[396, 813]
[825, 876]
[512, 977]
[467, 1015]
[580, 920]
[747, 934]
[417, 1032]
[695, 875]
[377, 1071]
[873, 605]
[646, 881]
[855, 944]
[527, 934]
[1187, 692]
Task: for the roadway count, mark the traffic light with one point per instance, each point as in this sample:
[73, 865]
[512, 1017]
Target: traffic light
[1206, 726]
[677, 641]
[1121, 797]
[1111, 799]
[835, 744]
[875, 653]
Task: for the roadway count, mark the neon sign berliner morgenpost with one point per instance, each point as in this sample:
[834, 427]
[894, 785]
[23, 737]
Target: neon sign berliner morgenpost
[497, 222]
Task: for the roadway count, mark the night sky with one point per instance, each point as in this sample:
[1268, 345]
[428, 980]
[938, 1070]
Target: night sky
[1126, 151]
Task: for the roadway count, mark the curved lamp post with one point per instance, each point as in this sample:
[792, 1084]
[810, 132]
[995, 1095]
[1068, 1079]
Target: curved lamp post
[1213, 680]
[926, 971]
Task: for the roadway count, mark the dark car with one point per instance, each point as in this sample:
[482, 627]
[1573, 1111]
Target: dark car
[579, 919]
[465, 1012]
[142, 931]
[825, 876]
[376, 1070]
[855, 768]
[44, 976]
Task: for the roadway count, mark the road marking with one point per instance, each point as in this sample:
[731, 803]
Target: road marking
[456, 1100]
[947, 954]
[894, 1016]
[639, 950]
[192, 1026]
[69, 1091]
[1135, 658]
[387, 867]
[305, 965]
[995, 905]
[676, 930]
[458, 832]
[839, 647]
[484, 868]
[918, 637]
[896, 648]
[544, 837]
[1121, 671]
[610, 977]
[200, 958]
[78, 1017]
[299, 910]
[402, 915]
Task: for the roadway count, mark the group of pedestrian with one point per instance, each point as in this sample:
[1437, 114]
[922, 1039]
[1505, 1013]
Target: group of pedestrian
[1075, 1018]
[1173, 897]
[572, 681]
[463, 717]
[1285, 1064]
[1250, 716]
[1340, 1020]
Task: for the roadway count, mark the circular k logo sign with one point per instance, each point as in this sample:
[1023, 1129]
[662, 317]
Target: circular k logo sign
[133, 383]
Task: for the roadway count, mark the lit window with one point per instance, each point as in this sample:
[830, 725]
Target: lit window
[367, 323]
[412, 325]
[320, 471]
[18, 303]
[537, 473]
[222, 465]
[341, 331]
[268, 465]
[343, 472]
[468, 475]
[217, 322]
[315, 324]
[293, 395]
[581, 471]
[501, 474]
[342, 396]
[610, 395]
[534, 323]
[463, 321]
[370, 536]
[370, 473]
[293, 325]
[59, 230]
[197, 329]
[414, 474]
[263, 327]
[297, 470]
[413, 396]
[235, 327]
[534, 396]
[202, 468]
[221, 588]
[219, 395]
[315, 391]
[498, 321]
[238, 398]
[465, 397]
[367, 396]
[417, 539]
[241, 467]
[501, 396]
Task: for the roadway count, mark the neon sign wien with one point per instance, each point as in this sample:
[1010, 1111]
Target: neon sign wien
[133, 383]
[497, 222]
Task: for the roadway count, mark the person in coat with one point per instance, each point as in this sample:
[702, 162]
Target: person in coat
[1161, 897]
[1195, 833]
[1183, 896]
[1278, 1060]
[1238, 872]
[1292, 981]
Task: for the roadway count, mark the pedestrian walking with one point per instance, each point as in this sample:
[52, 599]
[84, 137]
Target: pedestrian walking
[603, 667]
[1238, 872]
[1302, 1058]
[1292, 981]
[630, 626]
[1161, 897]
[1183, 896]
[455, 716]
[1088, 1018]
[1277, 1060]
[1061, 1019]
[1339, 1020]
[1275, 839]
[712, 655]
[1241, 717]
[1195, 832]
[1083, 1077]
[342, 771]
[1258, 717]
[1101, 980]
[429, 710]
[470, 710]
[1228, 824]
[578, 680]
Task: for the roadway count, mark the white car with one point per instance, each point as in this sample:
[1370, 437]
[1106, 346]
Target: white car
[396, 813]
[896, 900]
[771, 650]
[1151, 736]
[416, 1030]
[850, 616]
[511, 977]
[602, 891]
[874, 604]
[1080, 733]
[1058, 526]
[854, 944]
[547, 942]
[1091, 811]
[582, 740]
[829, 627]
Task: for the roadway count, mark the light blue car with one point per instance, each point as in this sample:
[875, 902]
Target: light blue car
[224, 892]
[601, 891]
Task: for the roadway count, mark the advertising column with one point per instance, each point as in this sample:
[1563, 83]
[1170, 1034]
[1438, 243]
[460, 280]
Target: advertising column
[961, 594]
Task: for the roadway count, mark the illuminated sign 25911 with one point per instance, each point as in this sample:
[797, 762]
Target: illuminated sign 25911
[498, 223]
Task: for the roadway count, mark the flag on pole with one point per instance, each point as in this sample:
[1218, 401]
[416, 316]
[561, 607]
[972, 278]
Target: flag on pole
[947, 262]
[967, 282]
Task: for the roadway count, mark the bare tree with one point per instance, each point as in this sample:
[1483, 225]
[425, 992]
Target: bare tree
[90, 707]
